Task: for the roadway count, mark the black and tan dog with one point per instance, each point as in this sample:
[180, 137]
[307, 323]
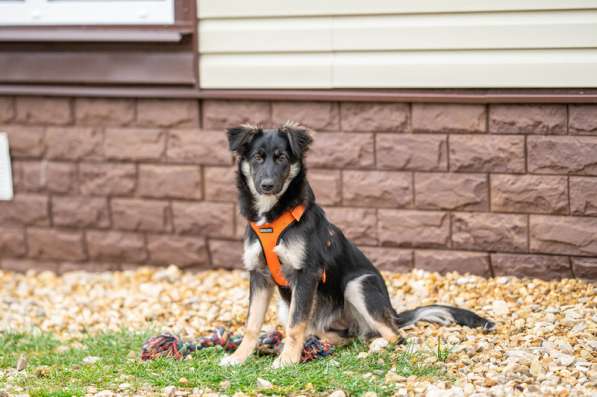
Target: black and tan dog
[326, 284]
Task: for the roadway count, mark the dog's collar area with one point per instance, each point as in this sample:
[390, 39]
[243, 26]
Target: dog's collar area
[269, 235]
[286, 218]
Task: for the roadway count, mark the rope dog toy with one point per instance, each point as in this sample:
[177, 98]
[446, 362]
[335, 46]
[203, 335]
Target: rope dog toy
[170, 345]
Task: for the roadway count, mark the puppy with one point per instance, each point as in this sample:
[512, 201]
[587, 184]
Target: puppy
[327, 286]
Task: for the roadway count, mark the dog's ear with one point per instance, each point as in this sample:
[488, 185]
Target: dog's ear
[240, 137]
[298, 137]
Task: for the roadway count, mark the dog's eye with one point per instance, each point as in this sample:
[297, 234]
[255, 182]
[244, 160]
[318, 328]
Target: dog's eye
[282, 157]
[258, 157]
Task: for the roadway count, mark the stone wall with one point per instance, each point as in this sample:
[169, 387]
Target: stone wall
[491, 190]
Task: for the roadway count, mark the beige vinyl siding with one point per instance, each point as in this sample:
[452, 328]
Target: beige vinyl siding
[432, 44]
[277, 8]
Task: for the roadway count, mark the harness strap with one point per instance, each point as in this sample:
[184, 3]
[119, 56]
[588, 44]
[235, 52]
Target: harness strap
[269, 235]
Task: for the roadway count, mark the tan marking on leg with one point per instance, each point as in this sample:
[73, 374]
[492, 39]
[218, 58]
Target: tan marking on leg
[295, 333]
[333, 338]
[386, 332]
[257, 311]
[293, 345]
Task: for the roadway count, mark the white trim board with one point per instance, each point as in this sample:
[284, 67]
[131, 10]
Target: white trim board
[6, 191]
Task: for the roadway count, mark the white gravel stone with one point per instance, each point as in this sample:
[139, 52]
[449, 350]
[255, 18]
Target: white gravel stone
[377, 345]
[169, 391]
[264, 384]
[544, 343]
[124, 386]
[500, 308]
[565, 359]
[91, 359]
[21, 363]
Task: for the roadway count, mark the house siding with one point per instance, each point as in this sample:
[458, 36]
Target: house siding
[397, 44]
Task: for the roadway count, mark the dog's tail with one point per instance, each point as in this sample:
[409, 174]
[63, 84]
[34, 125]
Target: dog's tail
[442, 315]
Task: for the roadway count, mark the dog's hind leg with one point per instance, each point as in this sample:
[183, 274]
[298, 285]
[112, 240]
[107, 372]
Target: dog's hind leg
[368, 296]
[260, 296]
[336, 338]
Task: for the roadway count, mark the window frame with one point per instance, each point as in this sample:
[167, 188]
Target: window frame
[111, 55]
[96, 12]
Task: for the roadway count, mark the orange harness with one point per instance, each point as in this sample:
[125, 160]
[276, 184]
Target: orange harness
[269, 236]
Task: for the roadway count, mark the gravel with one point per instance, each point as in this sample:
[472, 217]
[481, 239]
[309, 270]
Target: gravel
[545, 343]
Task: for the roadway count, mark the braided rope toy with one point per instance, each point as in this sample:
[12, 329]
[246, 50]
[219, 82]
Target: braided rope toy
[170, 345]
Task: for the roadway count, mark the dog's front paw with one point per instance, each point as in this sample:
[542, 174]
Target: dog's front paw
[284, 361]
[228, 361]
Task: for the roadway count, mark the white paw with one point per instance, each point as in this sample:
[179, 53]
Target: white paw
[228, 361]
[282, 362]
[277, 363]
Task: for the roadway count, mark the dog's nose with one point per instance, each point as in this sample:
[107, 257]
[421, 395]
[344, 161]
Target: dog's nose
[267, 185]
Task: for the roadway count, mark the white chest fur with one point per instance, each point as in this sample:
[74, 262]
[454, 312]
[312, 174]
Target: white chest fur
[253, 256]
[291, 253]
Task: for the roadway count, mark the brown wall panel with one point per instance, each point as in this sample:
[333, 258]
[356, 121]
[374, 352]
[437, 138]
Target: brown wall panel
[502, 189]
[97, 68]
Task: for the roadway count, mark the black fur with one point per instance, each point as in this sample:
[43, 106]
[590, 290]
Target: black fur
[326, 248]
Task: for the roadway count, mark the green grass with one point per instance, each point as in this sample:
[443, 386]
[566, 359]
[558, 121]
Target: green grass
[55, 372]
[442, 352]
